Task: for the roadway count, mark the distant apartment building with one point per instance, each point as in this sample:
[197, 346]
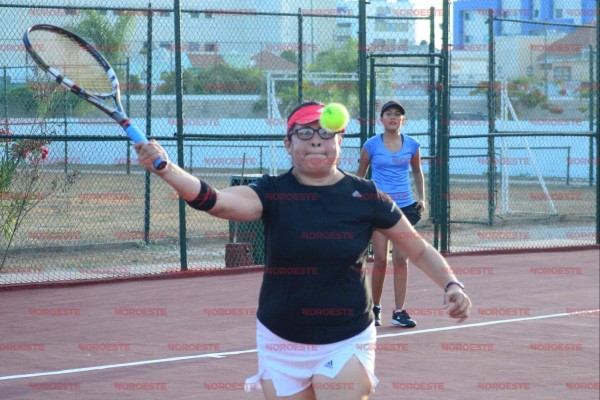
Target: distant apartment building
[387, 30]
[522, 49]
[469, 18]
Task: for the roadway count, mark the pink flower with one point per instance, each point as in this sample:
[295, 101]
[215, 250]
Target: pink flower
[44, 152]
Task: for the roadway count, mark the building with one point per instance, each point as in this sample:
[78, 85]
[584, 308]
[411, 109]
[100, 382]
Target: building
[390, 25]
[469, 17]
[567, 59]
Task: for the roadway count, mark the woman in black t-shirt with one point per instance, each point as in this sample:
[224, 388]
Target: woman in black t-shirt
[315, 327]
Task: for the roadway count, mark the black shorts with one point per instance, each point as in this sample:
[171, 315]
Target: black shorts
[412, 213]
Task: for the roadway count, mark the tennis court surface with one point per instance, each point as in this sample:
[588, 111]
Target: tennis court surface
[533, 334]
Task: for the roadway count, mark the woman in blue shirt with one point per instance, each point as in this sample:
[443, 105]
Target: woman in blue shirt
[390, 156]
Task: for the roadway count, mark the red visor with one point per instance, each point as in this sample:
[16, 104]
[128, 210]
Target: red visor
[305, 115]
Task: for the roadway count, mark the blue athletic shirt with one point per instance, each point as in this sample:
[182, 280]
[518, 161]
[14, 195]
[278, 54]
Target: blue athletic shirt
[390, 170]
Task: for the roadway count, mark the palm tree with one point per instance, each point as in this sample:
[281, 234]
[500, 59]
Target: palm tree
[111, 39]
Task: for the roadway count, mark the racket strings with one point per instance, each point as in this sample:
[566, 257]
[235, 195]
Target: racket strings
[73, 61]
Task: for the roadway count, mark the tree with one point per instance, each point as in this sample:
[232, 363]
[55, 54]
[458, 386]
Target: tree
[220, 79]
[290, 55]
[342, 60]
[110, 39]
[168, 85]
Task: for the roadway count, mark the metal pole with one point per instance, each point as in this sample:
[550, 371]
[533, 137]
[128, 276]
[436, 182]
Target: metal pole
[300, 59]
[432, 113]
[127, 110]
[147, 187]
[591, 114]
[372, 101]
[597, 129]
[65, 130]
[546, 62]
[491, 95]
[5, 93]
[312, 34]
[362, 68]
[568, 165]
[436, 203]
[444, 131]
[179, 122]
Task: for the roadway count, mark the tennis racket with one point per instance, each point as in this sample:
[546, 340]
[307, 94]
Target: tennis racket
[79, 67]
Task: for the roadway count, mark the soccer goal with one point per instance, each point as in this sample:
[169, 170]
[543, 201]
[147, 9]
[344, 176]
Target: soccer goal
[529, 194]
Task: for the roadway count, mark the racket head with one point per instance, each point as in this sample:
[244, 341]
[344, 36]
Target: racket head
[71, 61]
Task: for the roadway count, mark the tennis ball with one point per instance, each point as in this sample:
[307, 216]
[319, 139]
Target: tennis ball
[334, 117]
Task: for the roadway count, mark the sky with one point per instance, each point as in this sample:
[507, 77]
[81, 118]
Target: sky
[422, 27]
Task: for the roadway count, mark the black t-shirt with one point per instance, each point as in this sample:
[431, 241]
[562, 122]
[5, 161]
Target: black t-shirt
[315, 287]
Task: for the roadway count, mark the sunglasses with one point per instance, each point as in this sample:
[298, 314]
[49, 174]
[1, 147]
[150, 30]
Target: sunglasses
[307, 133]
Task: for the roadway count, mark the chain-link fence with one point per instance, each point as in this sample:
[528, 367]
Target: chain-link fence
[77, 205]
[523, 161]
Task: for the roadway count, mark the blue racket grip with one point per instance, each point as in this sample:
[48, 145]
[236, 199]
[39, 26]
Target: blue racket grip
[137, 136]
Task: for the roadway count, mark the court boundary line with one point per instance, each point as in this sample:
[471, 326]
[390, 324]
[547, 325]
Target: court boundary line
[233, 353]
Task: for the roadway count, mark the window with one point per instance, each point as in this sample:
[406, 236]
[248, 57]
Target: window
[468, 39]
[211, 47]
[467, 16]
[562, 73]
[536, 13]
[558, 13]
[193, 46]
[381, 26]
[382, 11]
[399, 27]
[345, 28]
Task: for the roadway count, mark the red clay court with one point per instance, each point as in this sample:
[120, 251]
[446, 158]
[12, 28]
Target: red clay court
[533, 334]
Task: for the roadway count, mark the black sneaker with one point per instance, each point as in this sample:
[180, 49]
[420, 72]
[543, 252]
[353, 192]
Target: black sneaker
[377, 313]
[401, 318]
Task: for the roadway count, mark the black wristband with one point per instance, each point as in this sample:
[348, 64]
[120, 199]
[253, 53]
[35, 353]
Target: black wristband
[457, 283]
[206, 199]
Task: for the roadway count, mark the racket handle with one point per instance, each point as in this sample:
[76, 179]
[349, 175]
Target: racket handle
[137, 136]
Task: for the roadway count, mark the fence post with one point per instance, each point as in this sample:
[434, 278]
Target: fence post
[179, 122]
[128, 112]
[362, 68]
[444, 152]
[5, 94]
[597, 131]
[66, 131]
[300, 59]
[568, 165]
[372, 101]
[491, 97]
[148, 127]
[432, 116]
[591, 113]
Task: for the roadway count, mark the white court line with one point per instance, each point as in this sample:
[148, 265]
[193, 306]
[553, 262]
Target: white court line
[233, 353]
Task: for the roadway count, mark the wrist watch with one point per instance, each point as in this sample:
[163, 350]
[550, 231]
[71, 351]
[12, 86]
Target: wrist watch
[457, 283]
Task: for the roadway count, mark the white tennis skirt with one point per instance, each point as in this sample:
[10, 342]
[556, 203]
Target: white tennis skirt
[291, 365]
